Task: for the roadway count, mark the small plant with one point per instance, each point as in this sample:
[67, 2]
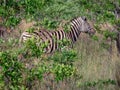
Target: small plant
[107, 34]
[67, 57]
[97, 27]
[105, 45]
[11, 72]
[98, 83]
[36, 73]
[30, 30]
[33, 49]
[117, 22]
[67, 27]
[12, 42]
[12, 21]
[94, 37]
[62, 71]
[50, 24]
[1, 41]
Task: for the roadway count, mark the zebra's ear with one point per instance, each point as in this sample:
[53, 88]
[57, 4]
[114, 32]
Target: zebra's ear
[84, 18]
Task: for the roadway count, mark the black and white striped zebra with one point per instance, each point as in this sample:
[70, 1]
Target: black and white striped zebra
[77, 25]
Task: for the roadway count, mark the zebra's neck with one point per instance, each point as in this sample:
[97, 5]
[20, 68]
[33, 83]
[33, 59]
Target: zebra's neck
[74, 33]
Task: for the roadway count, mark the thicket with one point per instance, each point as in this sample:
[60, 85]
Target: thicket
[15, 71]
[53, 11]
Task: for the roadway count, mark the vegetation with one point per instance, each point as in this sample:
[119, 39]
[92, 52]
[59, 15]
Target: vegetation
[90, 65]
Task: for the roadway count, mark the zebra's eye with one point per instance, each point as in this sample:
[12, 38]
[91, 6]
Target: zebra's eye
[84, 18]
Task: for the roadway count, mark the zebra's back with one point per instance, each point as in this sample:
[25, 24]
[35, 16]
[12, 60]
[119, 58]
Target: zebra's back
[45, 36]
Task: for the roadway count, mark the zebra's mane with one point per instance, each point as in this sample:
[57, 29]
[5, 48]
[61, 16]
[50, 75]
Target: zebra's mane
[74, 19]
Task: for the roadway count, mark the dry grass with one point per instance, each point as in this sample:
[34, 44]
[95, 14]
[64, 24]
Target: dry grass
[117, 74]
[95, 63]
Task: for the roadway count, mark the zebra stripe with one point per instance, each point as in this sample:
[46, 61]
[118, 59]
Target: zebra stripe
[77, 25]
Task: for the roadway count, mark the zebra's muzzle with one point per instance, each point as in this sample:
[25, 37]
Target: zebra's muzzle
[91, 32]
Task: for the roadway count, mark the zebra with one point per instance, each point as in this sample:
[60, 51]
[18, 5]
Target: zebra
[77, 25]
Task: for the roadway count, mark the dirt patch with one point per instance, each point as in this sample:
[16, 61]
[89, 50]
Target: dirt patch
[24, 25]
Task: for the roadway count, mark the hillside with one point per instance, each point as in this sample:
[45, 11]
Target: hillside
[92, 64]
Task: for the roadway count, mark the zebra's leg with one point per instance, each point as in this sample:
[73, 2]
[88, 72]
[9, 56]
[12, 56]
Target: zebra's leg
[20, 40]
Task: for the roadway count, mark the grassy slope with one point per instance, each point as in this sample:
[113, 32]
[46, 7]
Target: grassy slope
[94, 62]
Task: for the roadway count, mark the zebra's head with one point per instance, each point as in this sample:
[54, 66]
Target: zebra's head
[82, 25]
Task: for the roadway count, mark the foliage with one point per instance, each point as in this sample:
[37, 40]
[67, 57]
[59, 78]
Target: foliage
[14, 74]
[49, 24]
[30, 30]
[55, 10]
[62, 71]
[117, 22]
[32, 48]
[11, 69]
[66, 57]
[13, 10]
[97, 83]
[94, 37]
[108, 34]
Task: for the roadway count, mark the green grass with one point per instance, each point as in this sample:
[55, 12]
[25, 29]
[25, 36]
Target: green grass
[93, 68]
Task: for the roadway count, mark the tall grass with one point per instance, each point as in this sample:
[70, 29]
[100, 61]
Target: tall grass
[96, 63]
[94, 67]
